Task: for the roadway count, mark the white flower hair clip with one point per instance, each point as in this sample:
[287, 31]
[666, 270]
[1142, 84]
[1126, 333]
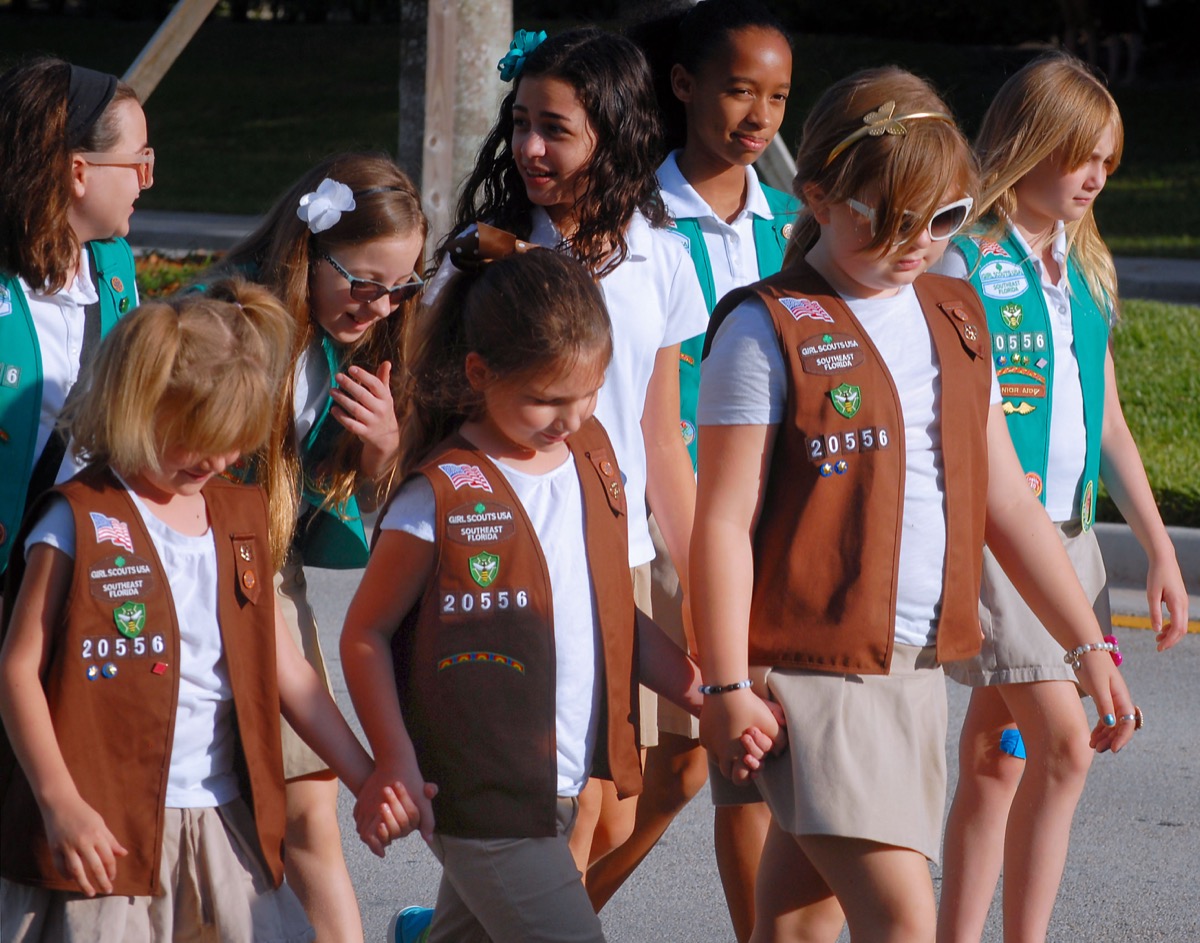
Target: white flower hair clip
[322, 208]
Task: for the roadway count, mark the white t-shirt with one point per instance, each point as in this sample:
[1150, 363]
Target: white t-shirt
[1068, 435]
[654, 301]
[202, 755]
[744, 382]
[58, 321]
[554, 504]
[732, 254]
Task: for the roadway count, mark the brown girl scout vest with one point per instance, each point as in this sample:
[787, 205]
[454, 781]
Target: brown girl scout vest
[827, 547]
[112, 680]
[475, 662]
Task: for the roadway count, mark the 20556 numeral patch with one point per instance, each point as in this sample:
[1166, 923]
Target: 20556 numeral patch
[823, 447]
[462, 603]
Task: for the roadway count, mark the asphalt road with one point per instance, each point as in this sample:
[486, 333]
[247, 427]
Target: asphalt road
[1133, 874]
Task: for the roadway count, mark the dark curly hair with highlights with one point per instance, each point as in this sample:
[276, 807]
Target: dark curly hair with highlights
[612, 80]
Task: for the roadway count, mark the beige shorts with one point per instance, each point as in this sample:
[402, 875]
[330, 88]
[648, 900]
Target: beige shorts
[299, 760]
[215, 890]
[666, 598]
[866, 754]
[647, 699]
[1016, 647]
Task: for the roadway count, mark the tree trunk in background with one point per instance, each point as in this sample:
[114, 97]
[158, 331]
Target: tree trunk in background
[449, 94]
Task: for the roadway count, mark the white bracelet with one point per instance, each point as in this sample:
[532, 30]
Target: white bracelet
[1075, 654]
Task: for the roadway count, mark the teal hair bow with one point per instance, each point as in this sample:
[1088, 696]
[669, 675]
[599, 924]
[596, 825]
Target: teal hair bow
[523, 43]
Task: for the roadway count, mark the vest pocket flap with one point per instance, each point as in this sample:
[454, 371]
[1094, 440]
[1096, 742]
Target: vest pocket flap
[974, 337]
[249, 560]
[610, 478]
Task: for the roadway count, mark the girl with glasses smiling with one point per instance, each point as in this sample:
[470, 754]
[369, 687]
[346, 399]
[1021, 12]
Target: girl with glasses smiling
[74, 151]
[1048, 143]
[853, 456]
[342, 248]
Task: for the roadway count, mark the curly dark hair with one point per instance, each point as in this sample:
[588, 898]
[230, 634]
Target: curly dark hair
[612, 80]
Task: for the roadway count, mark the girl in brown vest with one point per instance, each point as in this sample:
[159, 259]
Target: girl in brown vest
[853, 457]
[145, 665]
[490, 649]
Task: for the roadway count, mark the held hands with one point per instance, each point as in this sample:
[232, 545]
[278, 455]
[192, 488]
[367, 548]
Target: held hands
[739, 728]
[392, 803]
[84, 850]
[363, 404]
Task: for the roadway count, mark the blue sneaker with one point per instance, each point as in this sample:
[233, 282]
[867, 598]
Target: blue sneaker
[410, 925]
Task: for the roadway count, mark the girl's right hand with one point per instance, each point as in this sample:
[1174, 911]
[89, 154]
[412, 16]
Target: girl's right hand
[391, 804]
[1102, 680]
[84, 850]
[723, 721]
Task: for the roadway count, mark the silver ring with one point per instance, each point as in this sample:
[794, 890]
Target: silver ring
[1128, 718]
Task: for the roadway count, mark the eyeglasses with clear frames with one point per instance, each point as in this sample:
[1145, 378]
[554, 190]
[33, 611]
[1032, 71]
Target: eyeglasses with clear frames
[945, 222]
[143, 160]
[367, 291]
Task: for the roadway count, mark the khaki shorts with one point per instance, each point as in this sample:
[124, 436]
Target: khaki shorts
[299, 760]
[216, 889]
[1016, 646]
[647, 699]
[666, 598]
[866, 754]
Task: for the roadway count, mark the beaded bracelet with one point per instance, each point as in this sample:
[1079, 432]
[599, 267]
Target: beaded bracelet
[1074, 655]
[724, 688]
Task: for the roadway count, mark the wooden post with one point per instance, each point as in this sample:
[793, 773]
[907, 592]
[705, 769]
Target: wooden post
[441, 72]
[464, 39]
[166, 44]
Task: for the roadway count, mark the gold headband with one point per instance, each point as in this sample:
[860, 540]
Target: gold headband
[883, 121]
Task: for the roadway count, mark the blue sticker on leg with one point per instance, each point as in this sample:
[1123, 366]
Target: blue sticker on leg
[1012, 744]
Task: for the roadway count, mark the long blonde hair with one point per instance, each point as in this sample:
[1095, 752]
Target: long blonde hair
[199, 372]
[281, 254]
[1053, 106]
[912, 170]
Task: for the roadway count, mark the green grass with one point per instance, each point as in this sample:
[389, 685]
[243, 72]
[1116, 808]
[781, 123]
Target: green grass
[249, 106]
[1158, 374]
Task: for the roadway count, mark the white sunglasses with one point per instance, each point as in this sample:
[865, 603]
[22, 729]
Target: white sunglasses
[944, 223]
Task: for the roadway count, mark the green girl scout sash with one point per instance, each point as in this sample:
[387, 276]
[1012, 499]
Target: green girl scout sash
[770, 240]
[1023, 347]
[21, 371]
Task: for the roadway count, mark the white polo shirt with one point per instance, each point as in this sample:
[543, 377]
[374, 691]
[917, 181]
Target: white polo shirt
[58, 320]
[732, 254]
[654, 301]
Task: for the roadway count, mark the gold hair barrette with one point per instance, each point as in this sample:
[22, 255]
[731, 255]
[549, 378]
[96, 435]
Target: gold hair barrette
[883, 120]
[482, 245]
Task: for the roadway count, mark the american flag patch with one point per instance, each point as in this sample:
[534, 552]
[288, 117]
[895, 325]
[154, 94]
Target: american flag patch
[987, 247]
[466, 476]
[806, 308]
[112, 530]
